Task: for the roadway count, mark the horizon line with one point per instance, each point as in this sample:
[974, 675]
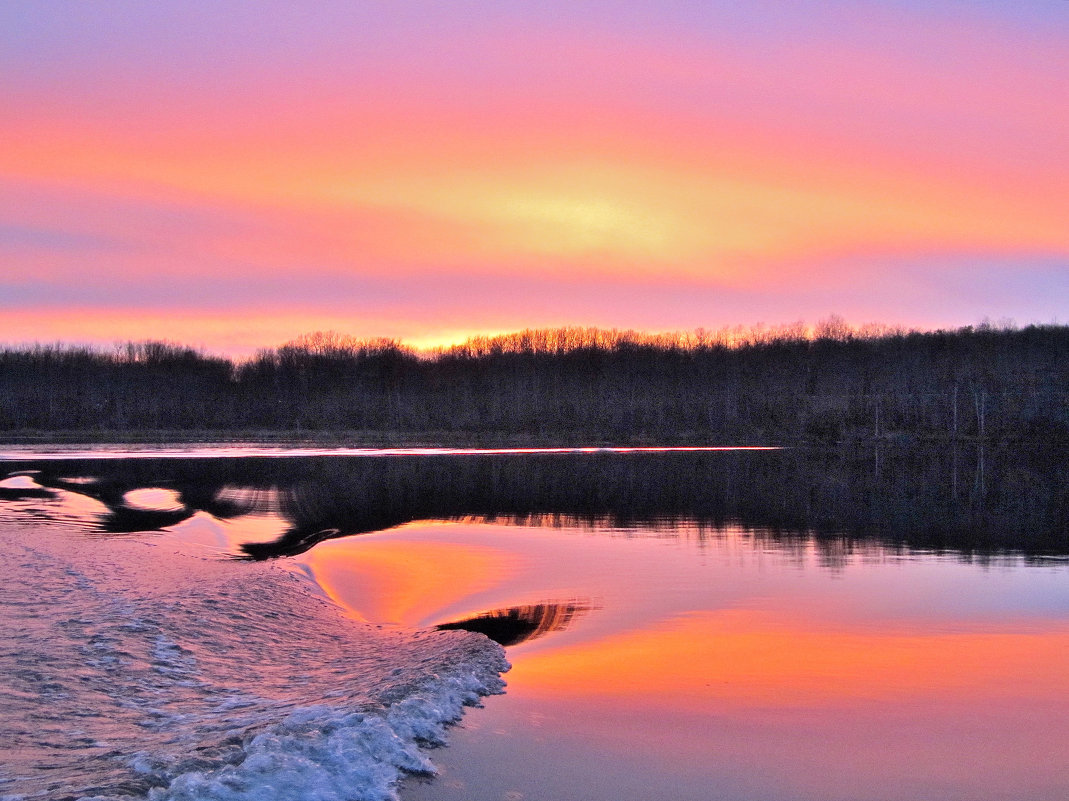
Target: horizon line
[739, 335]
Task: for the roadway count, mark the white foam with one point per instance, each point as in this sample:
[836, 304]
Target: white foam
[136, 670]
[323, 753]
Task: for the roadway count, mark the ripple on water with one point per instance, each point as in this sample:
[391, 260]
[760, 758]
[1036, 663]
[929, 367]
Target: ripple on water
[134, 670]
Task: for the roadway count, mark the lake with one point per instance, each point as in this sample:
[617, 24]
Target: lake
[241, 622]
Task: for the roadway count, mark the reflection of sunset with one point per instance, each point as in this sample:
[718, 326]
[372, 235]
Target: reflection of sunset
[396, 583]
[521, 623]
[742, 658]
[657, 651]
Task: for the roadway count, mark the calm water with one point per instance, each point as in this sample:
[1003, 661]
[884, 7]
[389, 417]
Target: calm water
[688, 625]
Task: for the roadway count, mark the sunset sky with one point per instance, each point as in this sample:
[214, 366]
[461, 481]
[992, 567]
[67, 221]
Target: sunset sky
[233, 174]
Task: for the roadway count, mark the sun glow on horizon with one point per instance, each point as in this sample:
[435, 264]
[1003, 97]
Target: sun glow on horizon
[415, 182]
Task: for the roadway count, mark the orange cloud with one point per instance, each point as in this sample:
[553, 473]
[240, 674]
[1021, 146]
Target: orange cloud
[769, 166]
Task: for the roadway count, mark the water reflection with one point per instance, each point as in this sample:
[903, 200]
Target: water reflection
[725, 670]
[1013, 500]
[20, 485]
[746, 658]
[394, 580]
[521, 623]
[805, 625]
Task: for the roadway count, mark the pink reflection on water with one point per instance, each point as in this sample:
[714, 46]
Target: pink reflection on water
[226, 450]
[727, 666]
[393, 583]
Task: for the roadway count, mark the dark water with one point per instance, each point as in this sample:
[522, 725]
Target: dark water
[789, 624]
[963, 498]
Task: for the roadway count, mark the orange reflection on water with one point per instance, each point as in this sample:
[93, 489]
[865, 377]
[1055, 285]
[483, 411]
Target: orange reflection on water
[745, 658]
[401, 584]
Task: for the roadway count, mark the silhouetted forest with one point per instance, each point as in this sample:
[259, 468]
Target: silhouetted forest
[735, 386]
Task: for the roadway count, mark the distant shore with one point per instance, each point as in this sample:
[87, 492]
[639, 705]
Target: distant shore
[559, 388]
[369, 439]
[443, 439]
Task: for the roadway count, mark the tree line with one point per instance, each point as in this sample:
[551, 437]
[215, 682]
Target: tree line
[573, 385]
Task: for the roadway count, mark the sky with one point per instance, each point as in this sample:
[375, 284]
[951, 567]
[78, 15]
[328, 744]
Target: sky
[233, 174]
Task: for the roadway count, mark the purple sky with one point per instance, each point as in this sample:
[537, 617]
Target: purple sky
[235, 174]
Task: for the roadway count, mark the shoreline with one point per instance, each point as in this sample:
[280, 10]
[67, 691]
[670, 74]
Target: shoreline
[445, 439]
[354, 437]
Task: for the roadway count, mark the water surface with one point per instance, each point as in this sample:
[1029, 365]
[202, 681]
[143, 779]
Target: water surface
[706, 624]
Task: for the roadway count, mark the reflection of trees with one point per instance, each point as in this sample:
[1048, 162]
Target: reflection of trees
[121, 518]
[521, 623]
[965, 499]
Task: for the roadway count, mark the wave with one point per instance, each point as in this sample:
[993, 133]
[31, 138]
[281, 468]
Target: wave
[137, 669]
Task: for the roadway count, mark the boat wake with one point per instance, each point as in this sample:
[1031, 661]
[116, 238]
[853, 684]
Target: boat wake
[136, 669]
